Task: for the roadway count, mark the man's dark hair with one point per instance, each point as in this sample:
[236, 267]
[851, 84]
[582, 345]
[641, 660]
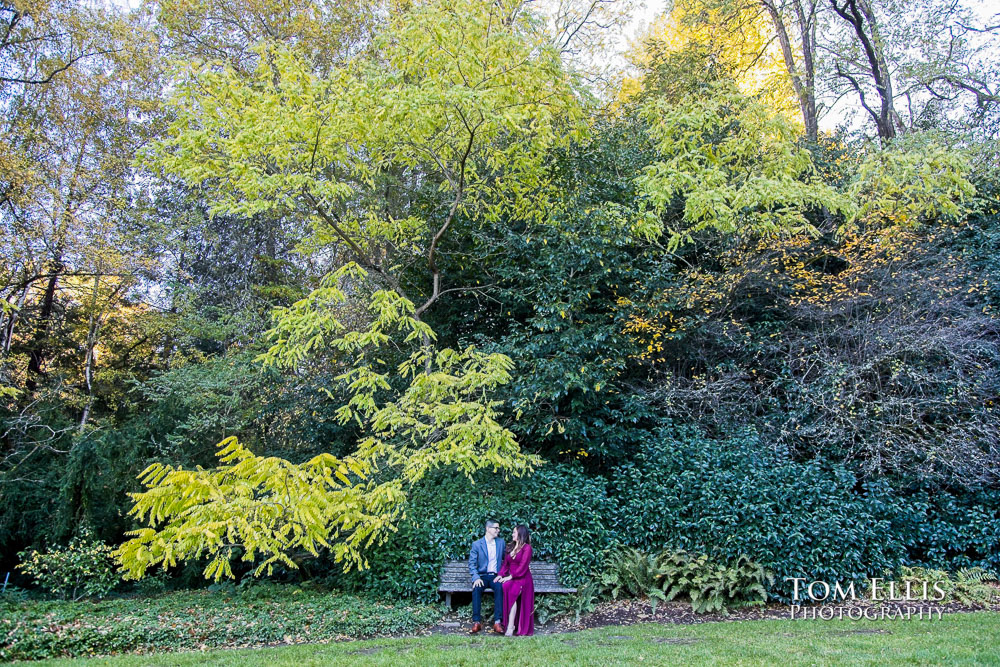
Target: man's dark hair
[491, 522]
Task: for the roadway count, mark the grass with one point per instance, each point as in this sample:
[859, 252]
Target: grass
[956, 639]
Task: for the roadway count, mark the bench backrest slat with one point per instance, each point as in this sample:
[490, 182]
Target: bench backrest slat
[458, 567]
[456, 574]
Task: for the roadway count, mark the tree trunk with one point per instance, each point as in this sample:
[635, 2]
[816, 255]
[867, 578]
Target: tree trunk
[807, 38]
[168, 339]
[859, 14]
[3, 328]
[88, 363]
[802, 83]
[38, 348]
[7, 332]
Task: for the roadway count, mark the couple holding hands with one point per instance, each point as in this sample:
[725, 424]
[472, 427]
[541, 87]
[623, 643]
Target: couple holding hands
[505, 569]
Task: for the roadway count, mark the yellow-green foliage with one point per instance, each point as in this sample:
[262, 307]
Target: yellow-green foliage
[736, 163]
[6, 308]
[466, 91]
[262, 509]
[459, 92]
[911, 180]
[464, 95]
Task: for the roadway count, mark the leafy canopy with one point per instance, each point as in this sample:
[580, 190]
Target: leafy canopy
[912, 180]
[465, 95]
[736, 164]
[267, 508]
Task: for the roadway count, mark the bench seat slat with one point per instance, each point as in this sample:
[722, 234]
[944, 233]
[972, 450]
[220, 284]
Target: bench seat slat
[463, 565]
[538, 589]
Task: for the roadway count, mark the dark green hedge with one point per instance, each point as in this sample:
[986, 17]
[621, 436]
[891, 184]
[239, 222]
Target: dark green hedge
[740, 497]
[565, 509]
[950, 530]
[726, 498]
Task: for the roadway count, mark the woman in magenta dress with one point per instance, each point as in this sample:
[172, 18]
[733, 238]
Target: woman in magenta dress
[518, 586]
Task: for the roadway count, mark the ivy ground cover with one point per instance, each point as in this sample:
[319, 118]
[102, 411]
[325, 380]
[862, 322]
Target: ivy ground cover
[956, 639]
[198, 620]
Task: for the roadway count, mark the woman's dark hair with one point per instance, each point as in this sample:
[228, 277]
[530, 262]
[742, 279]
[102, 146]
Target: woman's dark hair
[523, 536]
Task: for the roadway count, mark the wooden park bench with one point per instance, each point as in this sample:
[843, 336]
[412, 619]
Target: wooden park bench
[455, 579]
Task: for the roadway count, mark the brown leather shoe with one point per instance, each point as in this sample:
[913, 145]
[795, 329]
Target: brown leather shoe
[497, 628]
[476, 627]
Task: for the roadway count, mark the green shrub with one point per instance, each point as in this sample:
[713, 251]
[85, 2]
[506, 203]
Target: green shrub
[259, 589]
[83, 568]
[13, 594]
[152, 584]
[950, 530]
[739, 497]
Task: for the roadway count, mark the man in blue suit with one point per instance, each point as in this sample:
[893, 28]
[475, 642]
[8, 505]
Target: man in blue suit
[485, 560]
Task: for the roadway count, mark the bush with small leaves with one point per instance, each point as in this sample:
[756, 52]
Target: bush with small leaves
[81, 569]
[737, 497]
[199, 620]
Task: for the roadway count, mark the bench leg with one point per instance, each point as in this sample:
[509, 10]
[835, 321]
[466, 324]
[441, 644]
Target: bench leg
[447, 600]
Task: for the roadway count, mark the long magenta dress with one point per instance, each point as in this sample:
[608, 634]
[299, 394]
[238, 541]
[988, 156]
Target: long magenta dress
[520, 588]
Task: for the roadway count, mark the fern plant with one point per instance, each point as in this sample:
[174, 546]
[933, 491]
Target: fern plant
[919, 577]
[585, 600]
[974, 586]
[576, 605]
[631, 573]
[969, 586]
[712, 586]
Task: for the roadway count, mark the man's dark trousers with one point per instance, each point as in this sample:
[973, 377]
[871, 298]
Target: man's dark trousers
[477, 598]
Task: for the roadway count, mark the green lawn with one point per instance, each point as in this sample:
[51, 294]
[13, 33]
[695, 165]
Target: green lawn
[957, 639]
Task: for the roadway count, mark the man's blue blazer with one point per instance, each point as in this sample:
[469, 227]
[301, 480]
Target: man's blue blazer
[479, 557]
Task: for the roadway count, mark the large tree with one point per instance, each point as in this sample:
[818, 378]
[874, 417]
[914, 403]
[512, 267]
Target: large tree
[912, 64]
[441, 126]
[78, 88]
[906, 65]
[756, 31]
